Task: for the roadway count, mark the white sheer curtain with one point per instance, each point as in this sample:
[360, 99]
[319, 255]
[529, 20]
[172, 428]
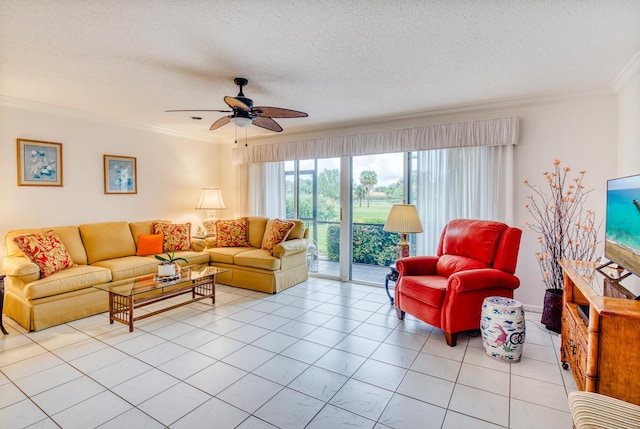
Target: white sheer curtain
[242, 183]
[266, 190]
[471, 182]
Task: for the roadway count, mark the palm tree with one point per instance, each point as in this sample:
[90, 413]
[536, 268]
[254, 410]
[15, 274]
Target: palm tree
[360, 193]
[368, 179]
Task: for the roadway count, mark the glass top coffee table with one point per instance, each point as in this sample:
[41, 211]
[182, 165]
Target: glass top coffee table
[127, 295]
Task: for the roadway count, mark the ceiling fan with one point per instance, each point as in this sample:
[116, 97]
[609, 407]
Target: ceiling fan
[244, 112]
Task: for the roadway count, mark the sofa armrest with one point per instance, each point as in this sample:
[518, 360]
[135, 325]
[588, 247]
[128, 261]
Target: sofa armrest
[21, 267]
[417, 265]
[290, 247]
[484, 278]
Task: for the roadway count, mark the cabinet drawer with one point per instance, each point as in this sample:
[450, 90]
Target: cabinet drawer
[574, 344]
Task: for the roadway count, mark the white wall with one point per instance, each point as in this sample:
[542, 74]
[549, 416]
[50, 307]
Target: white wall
[582, 134]
[171, 170]
[628, 87]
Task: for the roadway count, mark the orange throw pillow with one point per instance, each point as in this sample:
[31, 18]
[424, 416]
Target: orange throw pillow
[232, 232]
[177, 236]
[150, 244]
[277, 232]
[46, 251]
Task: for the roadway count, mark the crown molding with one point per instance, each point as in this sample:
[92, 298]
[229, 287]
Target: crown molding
[408, 120]
[628, 73]
[332, 129]
[18, 103]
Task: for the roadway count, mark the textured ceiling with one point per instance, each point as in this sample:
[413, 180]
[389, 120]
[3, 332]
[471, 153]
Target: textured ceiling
[339, 60]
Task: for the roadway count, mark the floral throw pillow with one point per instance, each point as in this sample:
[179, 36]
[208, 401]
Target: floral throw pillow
[177, 236]
[46, 251]
[232, 232]
[276, 232]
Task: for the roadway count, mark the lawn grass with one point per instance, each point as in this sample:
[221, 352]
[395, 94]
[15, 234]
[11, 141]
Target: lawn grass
[377, 212]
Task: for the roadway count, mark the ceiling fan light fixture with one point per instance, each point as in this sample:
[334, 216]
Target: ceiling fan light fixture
[241, 121]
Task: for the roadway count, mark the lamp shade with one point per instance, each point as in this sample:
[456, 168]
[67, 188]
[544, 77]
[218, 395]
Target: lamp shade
[211, 199]
[403, 218]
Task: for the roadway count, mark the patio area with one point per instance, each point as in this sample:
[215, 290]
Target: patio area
[361, 273]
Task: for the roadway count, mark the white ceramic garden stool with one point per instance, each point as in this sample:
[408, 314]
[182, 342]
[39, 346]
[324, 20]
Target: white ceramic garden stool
[503, 328]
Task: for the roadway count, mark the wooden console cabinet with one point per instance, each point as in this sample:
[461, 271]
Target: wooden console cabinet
[603, 348]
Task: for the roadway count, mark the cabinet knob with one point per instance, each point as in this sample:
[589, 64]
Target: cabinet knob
[572, 347]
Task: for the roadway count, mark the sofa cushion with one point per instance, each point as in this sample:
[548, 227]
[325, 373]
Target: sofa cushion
[107, 240]
[275, 233]
[69, 236]
[232, 232]
[143, 227]
[177, 236]
[257, 226]
[74, 278]
[257, 258]
[193, 257]
[129, 267]
[449, 264]
[46, 251]
[297, 231]
[149, 244]
[224, 255]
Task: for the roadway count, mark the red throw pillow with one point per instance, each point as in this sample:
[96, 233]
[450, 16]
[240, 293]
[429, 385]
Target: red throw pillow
[177, 236]
[276, 232]
[46, 251]
[150, 244]
[232, 232]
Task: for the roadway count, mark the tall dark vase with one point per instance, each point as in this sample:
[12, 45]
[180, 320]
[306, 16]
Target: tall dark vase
[552, 310]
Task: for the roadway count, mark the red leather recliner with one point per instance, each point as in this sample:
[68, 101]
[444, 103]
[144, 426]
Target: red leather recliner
[476, 259]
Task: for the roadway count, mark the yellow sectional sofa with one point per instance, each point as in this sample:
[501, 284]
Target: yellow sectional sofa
[101, 253]
[252, 267]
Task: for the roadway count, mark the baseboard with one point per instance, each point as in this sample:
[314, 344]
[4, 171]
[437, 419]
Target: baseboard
[532, 308]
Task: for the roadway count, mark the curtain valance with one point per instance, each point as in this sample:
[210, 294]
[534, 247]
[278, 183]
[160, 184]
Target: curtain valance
[489, 132]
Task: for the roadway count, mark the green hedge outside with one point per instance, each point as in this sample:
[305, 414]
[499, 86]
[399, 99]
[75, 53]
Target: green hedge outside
[371, 245]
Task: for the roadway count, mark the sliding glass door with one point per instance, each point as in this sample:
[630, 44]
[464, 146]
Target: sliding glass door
[313, 195]
[345, 202]
[377, 182]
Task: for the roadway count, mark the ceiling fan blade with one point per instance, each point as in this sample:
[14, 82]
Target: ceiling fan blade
[200, 110]
[234, 103]
[277, 112]
[267, 123]
[220, 122]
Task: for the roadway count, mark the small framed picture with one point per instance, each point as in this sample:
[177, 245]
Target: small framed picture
[120, 175]
[39, 163]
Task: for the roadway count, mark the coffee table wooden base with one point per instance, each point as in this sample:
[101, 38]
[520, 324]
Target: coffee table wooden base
[121, 308]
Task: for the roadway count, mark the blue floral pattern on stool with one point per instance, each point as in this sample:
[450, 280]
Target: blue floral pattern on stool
[503, 328]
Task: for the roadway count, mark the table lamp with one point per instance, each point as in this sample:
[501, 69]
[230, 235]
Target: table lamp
[210, 200]
[403, 219]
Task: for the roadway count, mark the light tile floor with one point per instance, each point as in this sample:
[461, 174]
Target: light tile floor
[322, 354]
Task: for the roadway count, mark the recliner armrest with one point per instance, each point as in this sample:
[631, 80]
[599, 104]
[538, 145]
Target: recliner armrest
[485, 278]
[417, 265]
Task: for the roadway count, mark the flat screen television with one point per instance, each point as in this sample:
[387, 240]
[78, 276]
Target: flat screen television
[622, 234]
